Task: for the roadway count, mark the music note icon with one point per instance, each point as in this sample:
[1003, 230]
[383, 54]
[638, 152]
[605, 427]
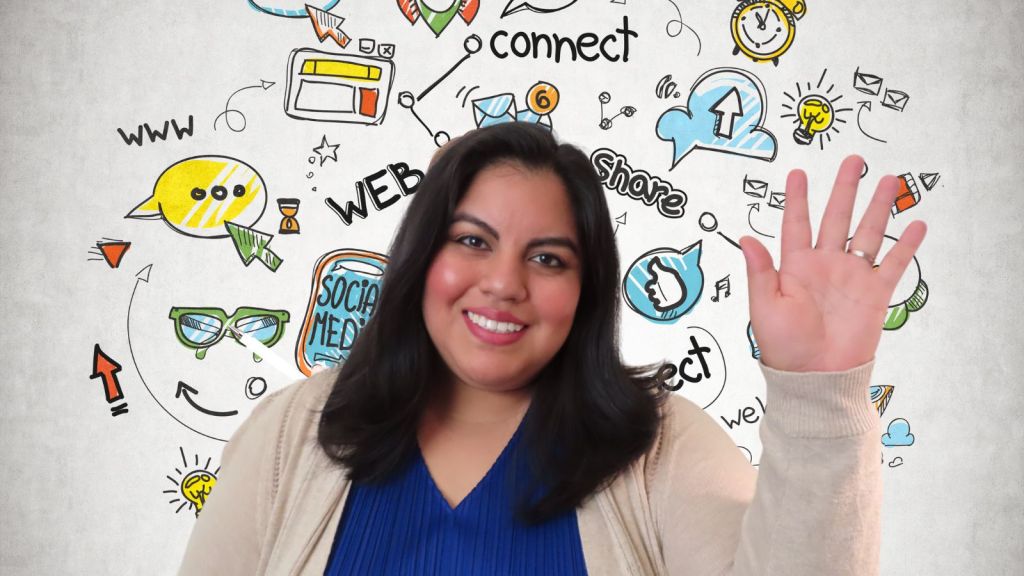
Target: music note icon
[722, 284]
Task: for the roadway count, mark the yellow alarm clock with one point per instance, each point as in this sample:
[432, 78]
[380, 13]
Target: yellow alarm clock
[764, 29]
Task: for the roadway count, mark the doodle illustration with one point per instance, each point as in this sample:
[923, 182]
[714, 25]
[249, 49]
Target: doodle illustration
[723, 284]
[755, 207]
[541, 100]
[110, 251]
[616, 174]
[606, 123]
[664, 284]
[702, 371]
[764, 29]
[230, 112]
[755, 350]
[255, 387]
[343, 297]
[895, 100]
[187, 392]
[620, 220]
[197, 196]
[290, 8]
[154, 135]
[379, 194]
[709, 223]
[880, 397]
[814, 113]
[867, 83]
[539, 6]
[106, 368]
[437, 14]
[929, 179]
[193, 484]
[327, 25]
[666, 88]
[908, 195]
[326, 151]
[251, 244]
[724, 113]
[328, 87]
[865, 105]
[472, 44]
[289, 208]
[201, 328]
[675, 26]
[898, 434]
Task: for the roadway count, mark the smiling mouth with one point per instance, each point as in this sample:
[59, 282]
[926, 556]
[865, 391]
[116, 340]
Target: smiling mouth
[493, 325]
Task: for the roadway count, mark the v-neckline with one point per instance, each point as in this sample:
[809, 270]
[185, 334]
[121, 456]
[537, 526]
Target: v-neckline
[422, 462]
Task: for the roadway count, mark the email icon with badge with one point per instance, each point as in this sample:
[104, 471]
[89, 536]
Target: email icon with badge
[494, 110]
[755, 188]
[867, 83]
[777, 200]
[895, 99]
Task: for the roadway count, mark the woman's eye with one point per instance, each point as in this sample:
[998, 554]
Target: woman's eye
[471, 241]
[549, 260]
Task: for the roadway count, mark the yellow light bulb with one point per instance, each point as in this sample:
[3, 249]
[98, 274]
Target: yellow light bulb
[196, 486]
[816, 115]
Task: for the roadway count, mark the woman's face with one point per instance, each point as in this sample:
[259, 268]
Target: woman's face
[501, 293]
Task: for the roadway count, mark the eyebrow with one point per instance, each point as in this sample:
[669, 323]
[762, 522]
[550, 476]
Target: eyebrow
[542, 241]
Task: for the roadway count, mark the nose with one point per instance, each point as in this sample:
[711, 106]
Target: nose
[504, 278]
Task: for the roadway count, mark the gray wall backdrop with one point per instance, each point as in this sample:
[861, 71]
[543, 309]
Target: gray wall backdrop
[88, 491]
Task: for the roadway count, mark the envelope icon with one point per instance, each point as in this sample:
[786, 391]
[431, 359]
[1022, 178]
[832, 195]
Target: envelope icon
[895, 99]
[755, 188]
[534, 118]
[494, 110]
[867, 83]
[777, 200]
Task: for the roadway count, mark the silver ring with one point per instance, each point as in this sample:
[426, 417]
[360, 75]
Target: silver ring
[861, 254]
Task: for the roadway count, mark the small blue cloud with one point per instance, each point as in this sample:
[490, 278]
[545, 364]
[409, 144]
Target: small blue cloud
[898, 434]
[724, 112]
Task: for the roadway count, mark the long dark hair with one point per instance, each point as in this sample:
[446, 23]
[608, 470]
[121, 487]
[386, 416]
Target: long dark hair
[602, 413]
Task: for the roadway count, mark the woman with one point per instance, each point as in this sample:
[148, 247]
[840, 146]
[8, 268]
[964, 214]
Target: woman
[484, 423]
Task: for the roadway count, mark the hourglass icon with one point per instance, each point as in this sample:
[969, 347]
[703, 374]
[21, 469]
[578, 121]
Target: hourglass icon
[288, 207]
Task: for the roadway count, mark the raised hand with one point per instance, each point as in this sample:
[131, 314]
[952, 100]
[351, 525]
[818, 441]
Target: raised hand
[823, 309]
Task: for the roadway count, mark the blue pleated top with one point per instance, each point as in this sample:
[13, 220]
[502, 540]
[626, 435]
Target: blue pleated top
[405, 526]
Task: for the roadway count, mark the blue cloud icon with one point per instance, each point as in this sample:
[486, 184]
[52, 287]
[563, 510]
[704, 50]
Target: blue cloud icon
[898, 434]
[724, 112]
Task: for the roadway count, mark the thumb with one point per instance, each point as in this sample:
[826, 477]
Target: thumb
[762, 278]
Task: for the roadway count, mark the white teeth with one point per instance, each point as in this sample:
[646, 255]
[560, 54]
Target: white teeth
[493, 325]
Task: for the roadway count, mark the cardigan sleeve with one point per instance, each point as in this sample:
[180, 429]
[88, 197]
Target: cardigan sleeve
[813, 506]
[228, 535]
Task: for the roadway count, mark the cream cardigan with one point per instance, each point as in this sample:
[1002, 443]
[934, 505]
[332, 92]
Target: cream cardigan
[692, 505]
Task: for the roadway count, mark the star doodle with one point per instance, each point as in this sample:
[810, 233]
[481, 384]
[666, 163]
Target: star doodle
[325, 151]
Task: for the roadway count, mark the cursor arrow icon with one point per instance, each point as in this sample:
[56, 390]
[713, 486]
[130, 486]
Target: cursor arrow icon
[105, 367]
[252, 245]
[726, 110]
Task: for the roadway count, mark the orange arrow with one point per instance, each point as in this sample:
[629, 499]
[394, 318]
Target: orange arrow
[105, 367]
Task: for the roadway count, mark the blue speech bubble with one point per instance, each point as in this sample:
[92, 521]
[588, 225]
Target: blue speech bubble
[290, 8]
[664, 284]
[724, 112]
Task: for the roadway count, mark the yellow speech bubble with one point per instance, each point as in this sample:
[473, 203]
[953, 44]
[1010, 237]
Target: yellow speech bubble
[197, 195]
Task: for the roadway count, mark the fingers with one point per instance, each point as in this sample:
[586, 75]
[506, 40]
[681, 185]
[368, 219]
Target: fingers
[796, 225]
[901, 254]
[835, 224]
[762, 278]
[871, 229]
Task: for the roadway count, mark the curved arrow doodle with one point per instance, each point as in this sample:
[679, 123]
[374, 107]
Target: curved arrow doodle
[143, 276]
[228, 110]
[187, 391]
[755, 206]
[865, 104]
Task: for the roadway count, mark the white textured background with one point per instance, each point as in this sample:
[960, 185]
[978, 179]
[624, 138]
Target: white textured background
[82, 491]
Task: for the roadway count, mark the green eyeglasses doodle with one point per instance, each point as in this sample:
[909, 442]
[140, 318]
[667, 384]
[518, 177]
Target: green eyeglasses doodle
[201, 328]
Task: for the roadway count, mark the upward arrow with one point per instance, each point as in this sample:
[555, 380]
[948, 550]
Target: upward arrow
[726, 110]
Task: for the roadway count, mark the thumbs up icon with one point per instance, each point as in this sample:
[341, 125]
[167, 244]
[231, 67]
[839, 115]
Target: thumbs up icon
[665, 283]
[665, 289]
